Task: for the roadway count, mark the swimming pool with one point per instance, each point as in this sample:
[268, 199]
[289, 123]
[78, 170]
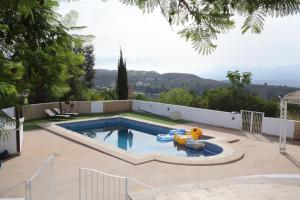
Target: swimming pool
[136, 137]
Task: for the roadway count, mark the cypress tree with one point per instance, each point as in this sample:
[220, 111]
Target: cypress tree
[88, 66]
[122, 83]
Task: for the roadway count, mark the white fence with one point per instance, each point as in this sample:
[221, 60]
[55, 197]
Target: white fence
[41, 185]
[95, 185]
[252, 121]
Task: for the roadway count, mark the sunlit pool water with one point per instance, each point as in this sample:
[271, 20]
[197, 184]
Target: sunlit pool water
[136, 137]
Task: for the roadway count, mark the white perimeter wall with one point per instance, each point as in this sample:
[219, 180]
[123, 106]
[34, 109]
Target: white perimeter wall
[205, 116]
[96, 106]
[271, 126]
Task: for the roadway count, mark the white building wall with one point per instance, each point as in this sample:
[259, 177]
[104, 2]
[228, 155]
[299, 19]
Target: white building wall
[271, 126]
[21, 133]
[96, 106]
[10, 143]
[205, 116]
[9, 111]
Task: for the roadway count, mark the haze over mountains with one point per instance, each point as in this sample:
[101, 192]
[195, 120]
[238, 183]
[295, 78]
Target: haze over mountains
[152, 83]
[288, 75]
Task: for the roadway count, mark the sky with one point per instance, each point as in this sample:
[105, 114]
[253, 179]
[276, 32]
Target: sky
[150, 43]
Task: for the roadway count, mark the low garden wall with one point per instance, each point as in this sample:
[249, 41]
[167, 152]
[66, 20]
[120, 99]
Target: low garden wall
[204, 116]
[271, 126]
[37, 111]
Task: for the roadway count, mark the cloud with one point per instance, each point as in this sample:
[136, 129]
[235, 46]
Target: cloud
[149, 43]
[135, 62]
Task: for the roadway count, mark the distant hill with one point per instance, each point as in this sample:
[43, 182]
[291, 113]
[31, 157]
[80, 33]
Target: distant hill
[152, 83]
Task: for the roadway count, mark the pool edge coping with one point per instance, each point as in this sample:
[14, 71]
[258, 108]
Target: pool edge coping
[229, 155]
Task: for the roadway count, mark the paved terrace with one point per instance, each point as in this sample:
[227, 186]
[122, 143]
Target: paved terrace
[261, 157]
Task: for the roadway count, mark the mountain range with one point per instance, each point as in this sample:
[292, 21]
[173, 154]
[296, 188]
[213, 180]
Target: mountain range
[273, 75]
[152, 83]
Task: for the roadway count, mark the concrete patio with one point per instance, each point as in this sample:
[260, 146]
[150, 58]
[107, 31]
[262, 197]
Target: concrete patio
[261, 157]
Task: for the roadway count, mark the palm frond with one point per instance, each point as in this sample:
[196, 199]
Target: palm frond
[201, 42]
[214, 17]
[8, 94]
[254, 22]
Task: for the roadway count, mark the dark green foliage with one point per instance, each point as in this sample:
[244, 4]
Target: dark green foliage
[141, 97]
[122, 83]
[225, 99]
[177, 96]
[294, 111]
[109, 94]
[50, 75]
[37, 43]
[236, 97]
[238, 81]
[88, 65]
[36, 53]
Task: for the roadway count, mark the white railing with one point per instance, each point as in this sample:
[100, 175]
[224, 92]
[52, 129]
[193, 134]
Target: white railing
[95, 185]
[41, 185]
[252, 121]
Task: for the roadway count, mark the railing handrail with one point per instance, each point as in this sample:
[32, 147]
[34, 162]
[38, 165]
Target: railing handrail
[115, 176]
[83, 171]
[40, 170]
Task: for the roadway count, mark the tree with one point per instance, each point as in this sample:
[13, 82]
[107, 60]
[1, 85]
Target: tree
[178, 96]
[81, 77]
[122, 83]
[236, 97]
[204, 20]
[141, 97]
[88, 65]
[239, 81]
[38, 43]
[36, 53]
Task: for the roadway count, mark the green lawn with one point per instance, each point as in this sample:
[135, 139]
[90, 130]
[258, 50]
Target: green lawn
[32, 125]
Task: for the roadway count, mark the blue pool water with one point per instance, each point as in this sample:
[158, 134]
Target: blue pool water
[136, 137]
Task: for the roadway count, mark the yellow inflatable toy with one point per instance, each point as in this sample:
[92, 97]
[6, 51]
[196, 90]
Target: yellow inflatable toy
[195, 134]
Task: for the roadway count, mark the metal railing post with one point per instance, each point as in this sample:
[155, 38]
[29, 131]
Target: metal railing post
[126, 188]
[251, 122]
[28, 189]
[79, 190]
[89, 185]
